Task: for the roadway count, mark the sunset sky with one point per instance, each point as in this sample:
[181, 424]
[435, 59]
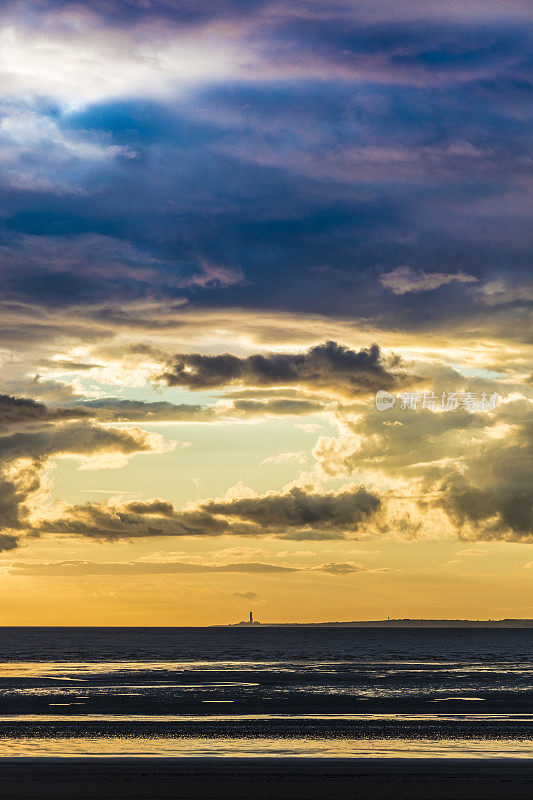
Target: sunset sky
[224, 227]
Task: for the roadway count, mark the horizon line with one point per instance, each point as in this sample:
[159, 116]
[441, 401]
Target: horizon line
[427, 622]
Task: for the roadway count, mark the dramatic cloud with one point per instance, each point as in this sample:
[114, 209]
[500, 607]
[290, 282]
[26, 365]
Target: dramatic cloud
[210, 211]
[497, 512]
[337, 512]
[254, 40]
[423, 453]
[8, 542]
[475, 466]
[236, 155]
[38, 433]
[296, 514]
[326, 366]
[21, 411]
[78, 440]
[19, 482]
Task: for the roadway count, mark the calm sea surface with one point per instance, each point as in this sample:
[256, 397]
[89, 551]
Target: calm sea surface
[343, 692]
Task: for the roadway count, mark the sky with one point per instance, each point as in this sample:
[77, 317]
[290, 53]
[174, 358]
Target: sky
[225, 227]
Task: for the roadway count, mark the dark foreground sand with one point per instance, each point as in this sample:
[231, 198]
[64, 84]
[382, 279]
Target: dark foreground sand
[266, 778]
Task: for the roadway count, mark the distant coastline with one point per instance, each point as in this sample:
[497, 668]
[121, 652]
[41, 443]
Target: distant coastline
[396, 623]
[380, 623]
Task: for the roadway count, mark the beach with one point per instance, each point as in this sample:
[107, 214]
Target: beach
[275, 714]
[266, 779]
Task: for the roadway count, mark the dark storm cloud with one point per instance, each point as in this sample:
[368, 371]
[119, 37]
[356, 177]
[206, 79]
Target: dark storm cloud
[339, 36]
[408, 51]
[499, 513]
[160, 508]
[15, 411]
[326, 366]
[8, 542]
[75, 439]
[365, 160]
[353, 140]
[493, 498]
[20, 482]
[296, 514]
[123, 13]
[111, 524]
[33, 433]
[344, 511]
[16, 487]
[476, 466]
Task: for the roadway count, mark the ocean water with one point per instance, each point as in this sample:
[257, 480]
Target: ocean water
[310, 692]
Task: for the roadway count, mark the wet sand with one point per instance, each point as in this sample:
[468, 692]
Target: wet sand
[266, 779]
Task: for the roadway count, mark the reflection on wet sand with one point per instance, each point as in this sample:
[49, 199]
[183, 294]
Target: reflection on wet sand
[315, 694]
[279, 748]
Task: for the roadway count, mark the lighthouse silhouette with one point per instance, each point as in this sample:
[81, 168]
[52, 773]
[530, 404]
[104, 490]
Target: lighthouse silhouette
[248, 622]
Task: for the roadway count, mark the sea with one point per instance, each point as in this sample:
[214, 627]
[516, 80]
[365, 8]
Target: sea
[266, 691]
